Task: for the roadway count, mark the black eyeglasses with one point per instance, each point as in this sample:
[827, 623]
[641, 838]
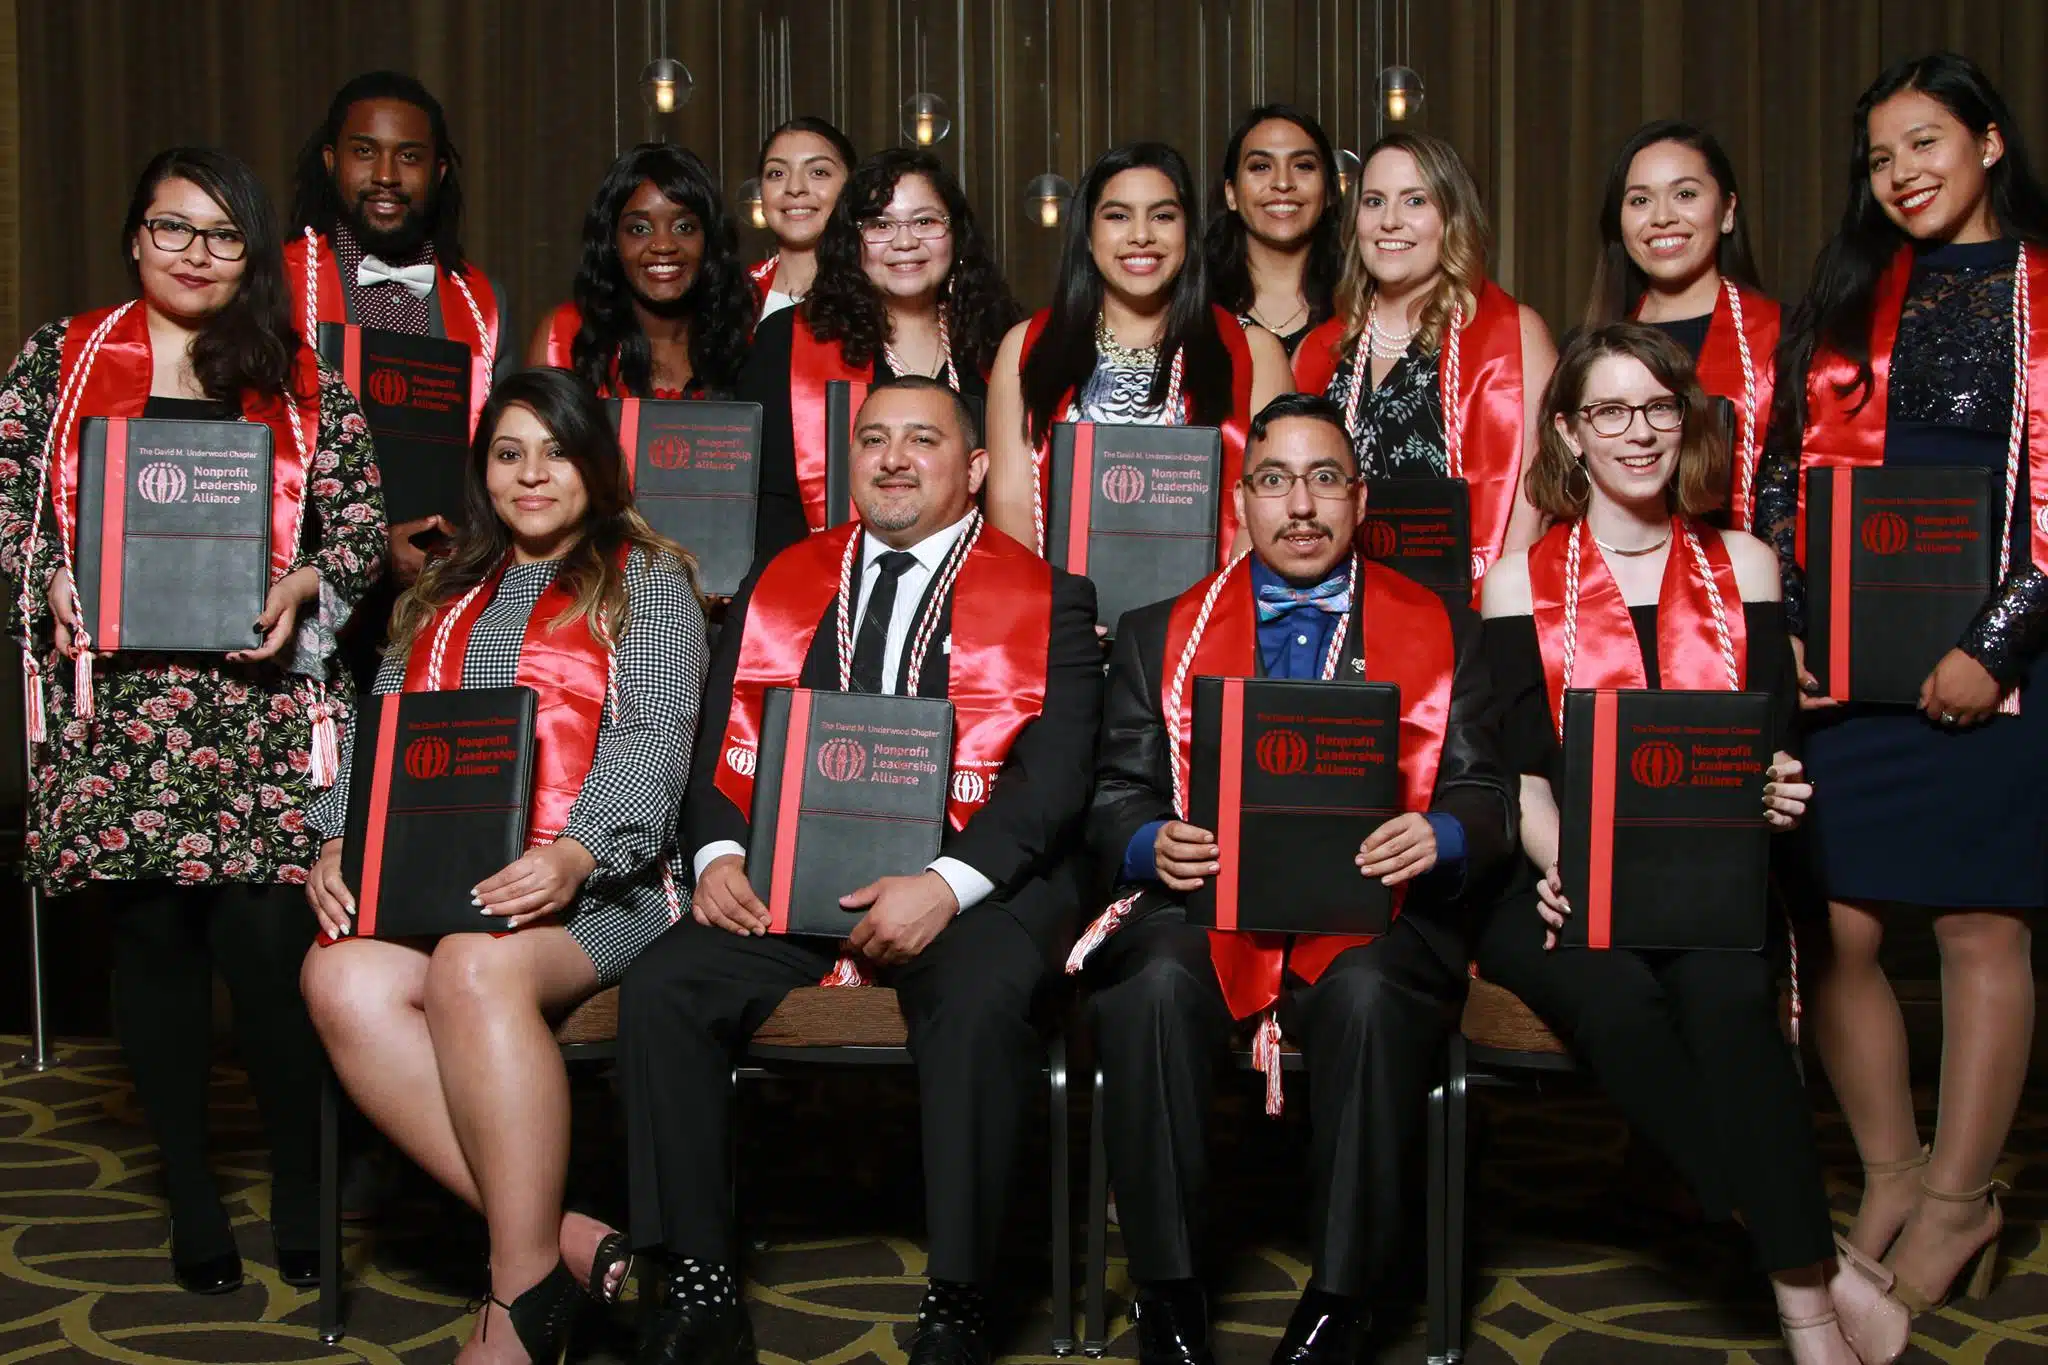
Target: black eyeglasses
[1614, 419]
[174, 235]
[1325, 483]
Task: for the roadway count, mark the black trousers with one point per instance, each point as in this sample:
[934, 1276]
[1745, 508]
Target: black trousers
[694, 997]
[168, 939]
[1688, 1046]
[1373, 1028]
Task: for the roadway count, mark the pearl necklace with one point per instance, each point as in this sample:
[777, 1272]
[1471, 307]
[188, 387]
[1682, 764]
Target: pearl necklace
[1384, 344]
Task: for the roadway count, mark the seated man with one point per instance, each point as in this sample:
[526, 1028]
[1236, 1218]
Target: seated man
[1370, 1014]
[944, 606]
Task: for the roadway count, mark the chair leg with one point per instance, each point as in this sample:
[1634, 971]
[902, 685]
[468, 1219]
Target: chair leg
[1062, 1200]
[1438, 1252]
[330, 1211]
[1454, 1204]
[1095, 1326]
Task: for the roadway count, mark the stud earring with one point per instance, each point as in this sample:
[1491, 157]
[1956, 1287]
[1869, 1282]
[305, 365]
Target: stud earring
[1987, 163]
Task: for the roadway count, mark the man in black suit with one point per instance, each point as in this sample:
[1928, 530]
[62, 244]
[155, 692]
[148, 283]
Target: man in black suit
[965, 942]
[1370, 1015]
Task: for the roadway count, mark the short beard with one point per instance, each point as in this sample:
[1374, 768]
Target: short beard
[403, 241]
[891, 521]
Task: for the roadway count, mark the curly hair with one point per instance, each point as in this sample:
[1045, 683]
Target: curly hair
[611, 350]
[1462, 263]
[844, 306]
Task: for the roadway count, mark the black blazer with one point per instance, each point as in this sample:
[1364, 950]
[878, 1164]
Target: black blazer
[1027, 838]
[1133, 786]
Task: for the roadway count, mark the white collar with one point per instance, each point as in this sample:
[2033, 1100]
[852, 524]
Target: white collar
[929, 552]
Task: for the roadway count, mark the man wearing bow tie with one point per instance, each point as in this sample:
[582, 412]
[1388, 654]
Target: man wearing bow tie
[378, 216]
[1369, 1015]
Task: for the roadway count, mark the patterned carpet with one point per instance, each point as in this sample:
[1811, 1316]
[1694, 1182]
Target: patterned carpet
[1580, 1258]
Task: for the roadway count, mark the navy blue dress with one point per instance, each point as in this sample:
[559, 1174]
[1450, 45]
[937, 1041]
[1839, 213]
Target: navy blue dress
[1905, 810]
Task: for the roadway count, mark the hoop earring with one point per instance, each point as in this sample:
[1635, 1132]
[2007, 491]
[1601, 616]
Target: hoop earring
[1579, 466]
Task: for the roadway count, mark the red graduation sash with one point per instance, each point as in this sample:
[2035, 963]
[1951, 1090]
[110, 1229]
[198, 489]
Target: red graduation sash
[456, 321]
[762, 273]
[996, 670]
[1850, 430]
[118, 386]
[1405, 634]
[563, 325]
[567, 665]
[1235, 428]
[1720, 373]
[1483, 415]
[1607, 653]
[812, 365]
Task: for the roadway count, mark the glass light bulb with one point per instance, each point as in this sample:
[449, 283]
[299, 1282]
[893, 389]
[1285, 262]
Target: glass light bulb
[1400, 93]
[1046, 199]
[667, 85]
[748, 202]
[926, 120]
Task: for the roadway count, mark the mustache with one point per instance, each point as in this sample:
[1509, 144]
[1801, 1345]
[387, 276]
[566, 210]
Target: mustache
[1306, 528]
[396, 196]
[902, 479]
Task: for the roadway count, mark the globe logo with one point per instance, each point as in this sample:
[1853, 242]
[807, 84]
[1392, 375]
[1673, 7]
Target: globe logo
[1381, 540]
[842, 760]
[669, 452]
[426, 758]
[388, 387]
[1657, 764]
[160, 481]
[1885, 533]
[1123, 483]
[969, 789]
[1281, 752]
[740, 759]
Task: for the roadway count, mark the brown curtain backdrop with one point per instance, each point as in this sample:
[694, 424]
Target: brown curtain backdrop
[1536, 93]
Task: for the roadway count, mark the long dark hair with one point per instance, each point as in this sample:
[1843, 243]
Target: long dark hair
[844, 305]
[1836, 310]
[1065, 357]
[1618, 282]
[1230, 274]
[316, 205]
[720, 300]
[809, 123]
[251, 344]
[571, 412]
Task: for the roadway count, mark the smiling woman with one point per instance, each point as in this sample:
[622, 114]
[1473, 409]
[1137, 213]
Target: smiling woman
[1274, 242]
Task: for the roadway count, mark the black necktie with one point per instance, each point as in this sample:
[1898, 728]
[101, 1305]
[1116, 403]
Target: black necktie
[872, 639]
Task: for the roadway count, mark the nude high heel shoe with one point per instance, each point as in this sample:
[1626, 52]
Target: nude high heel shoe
[1982, 1267]
[1879, 1332]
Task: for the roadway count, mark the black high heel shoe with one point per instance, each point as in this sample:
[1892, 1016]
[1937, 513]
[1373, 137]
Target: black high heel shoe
[542, 1316]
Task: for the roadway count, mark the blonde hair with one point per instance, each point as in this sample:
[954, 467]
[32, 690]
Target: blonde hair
[1699, 480]
[1461, 262]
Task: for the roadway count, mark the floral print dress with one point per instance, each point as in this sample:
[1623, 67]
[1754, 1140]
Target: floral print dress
[193, 769]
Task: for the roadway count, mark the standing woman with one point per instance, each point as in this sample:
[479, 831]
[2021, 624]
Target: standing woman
[906, 284]
[1274, 242]
[1632, 588]
[555, 582]
[1909, 349]
[804, 165]
[1132, 336]
[1674, 253]
[187, 776]
[1439, 371]
[663, 308]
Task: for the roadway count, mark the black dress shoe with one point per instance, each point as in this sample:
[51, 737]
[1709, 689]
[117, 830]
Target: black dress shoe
[214, 1275]
[1173, 1325]
[300, 1269]
[689, 1332]
[941, 1342]
[1326, 1329]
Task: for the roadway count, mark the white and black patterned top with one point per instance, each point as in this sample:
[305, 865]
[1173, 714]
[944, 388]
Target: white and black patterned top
[1401, 422]
[626, 813]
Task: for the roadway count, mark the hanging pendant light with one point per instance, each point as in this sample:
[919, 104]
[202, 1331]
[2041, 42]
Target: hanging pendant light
[749, 206]
[1400, 93]
[1046, 199]
[667, 85]
[1348, 169]
[926, 120]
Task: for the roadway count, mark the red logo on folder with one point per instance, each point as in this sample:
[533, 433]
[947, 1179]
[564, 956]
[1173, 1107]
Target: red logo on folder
[388, 387]
[668, 452]
[1123, 483]
[426, 758]
[1657, 764]
[1281, 752]
[1381, 540]
[842, 760]
[160, 482]
[1885, 533]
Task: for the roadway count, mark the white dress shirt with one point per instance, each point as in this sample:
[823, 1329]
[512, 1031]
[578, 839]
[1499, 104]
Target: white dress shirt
[775, 303]
[970, 887]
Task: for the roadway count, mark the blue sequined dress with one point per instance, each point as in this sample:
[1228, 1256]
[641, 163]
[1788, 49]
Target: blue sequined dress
[1905, 810]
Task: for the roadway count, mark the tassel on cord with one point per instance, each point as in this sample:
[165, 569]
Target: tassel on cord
[32, 704]
[1266, 1057]
[1098, 930]
[81, 683]
[325, 758]
[847, 971]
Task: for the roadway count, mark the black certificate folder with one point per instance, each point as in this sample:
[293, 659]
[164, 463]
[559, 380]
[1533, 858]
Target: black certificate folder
[1662, 840]
[695, 467]
[1134, 509]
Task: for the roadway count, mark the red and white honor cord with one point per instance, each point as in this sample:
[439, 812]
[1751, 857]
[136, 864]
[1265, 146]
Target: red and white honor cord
[850, 969]
[1745, 450]
[2016, 437]
[310, 317]
[1173, 410]
[896, 365]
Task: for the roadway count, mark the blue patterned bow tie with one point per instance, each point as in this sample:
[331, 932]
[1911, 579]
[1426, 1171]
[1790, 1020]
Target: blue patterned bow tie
[1332, 595]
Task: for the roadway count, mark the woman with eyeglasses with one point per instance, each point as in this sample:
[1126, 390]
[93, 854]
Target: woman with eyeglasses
[802, 168]
[1674, 253]
[185, 776]
[1632, 588]
[1438, 370]
[906, 284]
[662, 307]
[1274, 245]
[1923, 342]
[1132, 337]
